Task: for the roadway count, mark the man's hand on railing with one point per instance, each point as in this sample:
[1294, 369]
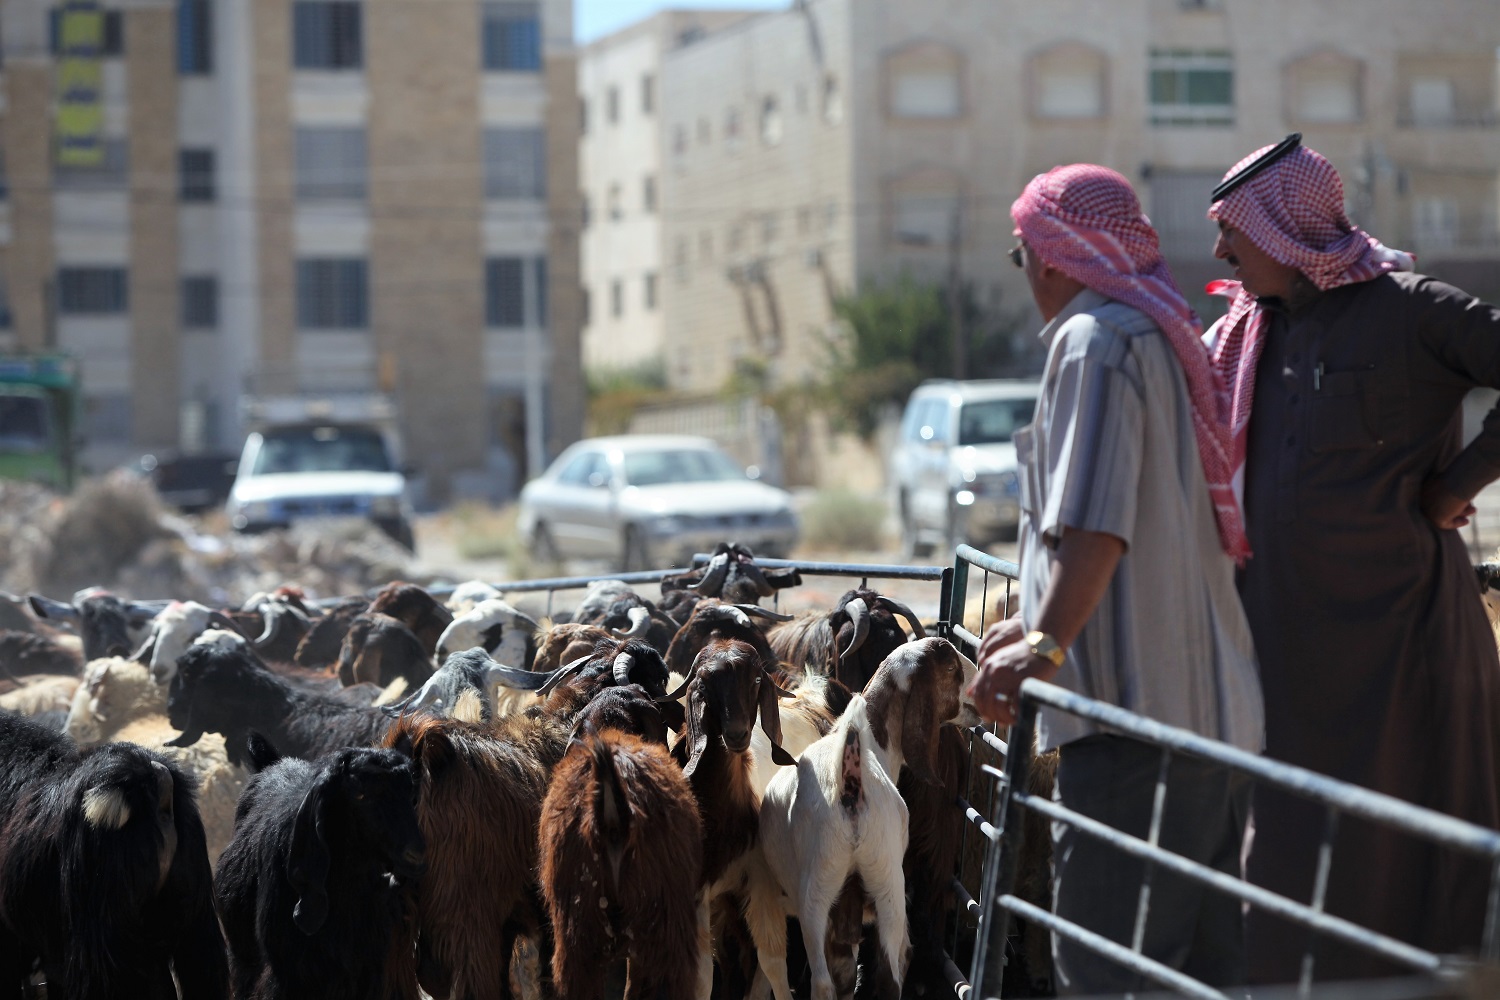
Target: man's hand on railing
[1005, 660]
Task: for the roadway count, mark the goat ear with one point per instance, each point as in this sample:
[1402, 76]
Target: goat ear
[697, 729]
[403, 744]
[919, 728]
[673, 714]
[770, 719]
[307, 867]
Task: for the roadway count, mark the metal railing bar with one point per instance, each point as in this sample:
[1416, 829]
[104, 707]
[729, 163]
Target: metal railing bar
[987, 562]
[1153, 837]
[1405, 816]
[972, 815]
[1490, 949]
[995, 742]
[1335, 927]
[964, 634]
[956, 981]
[582, 582]
[1320, 895]
[885, 571]
[966, 902]
[1150, 968]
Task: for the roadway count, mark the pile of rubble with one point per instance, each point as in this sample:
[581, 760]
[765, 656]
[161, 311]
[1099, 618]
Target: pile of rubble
[114, 532]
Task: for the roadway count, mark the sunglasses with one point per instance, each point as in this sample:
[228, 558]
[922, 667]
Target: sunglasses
[1018, 255]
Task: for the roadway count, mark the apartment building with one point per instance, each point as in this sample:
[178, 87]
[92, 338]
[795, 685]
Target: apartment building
[301, 196]
[619, 161]
[843, 141]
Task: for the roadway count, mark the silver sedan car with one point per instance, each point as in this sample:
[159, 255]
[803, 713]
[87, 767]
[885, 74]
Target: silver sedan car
[647, 501]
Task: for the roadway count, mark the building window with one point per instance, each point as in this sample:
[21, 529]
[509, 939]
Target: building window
[543, 291]
[586, 206]
[200, 302]
[515, 163]
[649, 291]
[1324, 89]
[1435, 223]
[833, 100]
[924, 218]
[327, 34]
[931, 94]
[648, 94]
[1177, 200]
[1191, 87]
[195, 37]
[732, 128]
[1067, 82]
[616, 210]
[504, 292]
[111, 39]
[195, 174]
[771, 127]
[512, 37]
[111, 174]
[648, 193]
[1431, 101]
[612, 105]
[330, 163]
[333, 293]
[583, 116]
[587, 307]
[92, 291]
[616, 298]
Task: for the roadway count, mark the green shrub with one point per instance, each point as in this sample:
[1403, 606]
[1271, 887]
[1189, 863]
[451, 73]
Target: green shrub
[843, 520]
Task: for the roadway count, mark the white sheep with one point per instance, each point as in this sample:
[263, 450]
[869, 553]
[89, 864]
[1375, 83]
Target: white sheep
[38, 693]
[468, 594]
[173, 631]
[508, 635]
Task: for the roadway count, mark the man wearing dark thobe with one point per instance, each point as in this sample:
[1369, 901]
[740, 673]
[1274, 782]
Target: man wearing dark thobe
[1347, 372]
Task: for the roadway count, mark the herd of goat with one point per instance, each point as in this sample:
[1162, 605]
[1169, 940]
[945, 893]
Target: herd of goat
[369, 798]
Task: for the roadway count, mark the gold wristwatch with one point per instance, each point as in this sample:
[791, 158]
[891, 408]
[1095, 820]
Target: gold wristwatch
[1046, 647]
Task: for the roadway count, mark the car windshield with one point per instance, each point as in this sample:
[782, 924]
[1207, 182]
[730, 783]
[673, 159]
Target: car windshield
[24, 424]
[679, 465]
[321, 449]
[993, 421]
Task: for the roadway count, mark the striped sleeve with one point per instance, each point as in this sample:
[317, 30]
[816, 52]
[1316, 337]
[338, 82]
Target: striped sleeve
[1097, 435]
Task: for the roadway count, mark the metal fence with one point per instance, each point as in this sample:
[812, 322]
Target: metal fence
[1005, 832]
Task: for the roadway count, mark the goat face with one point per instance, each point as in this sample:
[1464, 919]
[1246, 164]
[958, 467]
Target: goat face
[628, 708]
[930, 673]
[108, 625]
[366, 793]
[206, 693]
[729, 687]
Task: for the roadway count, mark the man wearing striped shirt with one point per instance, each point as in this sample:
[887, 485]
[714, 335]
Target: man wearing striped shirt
[1129, 536]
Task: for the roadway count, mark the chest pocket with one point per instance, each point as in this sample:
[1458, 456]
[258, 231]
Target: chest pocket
[1346, 412]
[1025, 445]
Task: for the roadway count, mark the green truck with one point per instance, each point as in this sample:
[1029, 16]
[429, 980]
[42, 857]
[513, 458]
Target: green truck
[39, 419]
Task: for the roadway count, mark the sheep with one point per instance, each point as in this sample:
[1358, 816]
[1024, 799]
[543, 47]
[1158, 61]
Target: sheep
[839, 814]
[222, 688]
[306, 890]
[379, 648]
[417, 610]
[319, 648]
[26, 653]
[108, 625]
[468, 594]
[621, 852]
[472, 673]
[119, 701]
[173, 631]
[104, 877]
[38, 694]
[480, 802]
[503, 632]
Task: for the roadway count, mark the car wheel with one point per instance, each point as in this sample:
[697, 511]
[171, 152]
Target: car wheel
[542, 548]
[635, 552]
[912, 547]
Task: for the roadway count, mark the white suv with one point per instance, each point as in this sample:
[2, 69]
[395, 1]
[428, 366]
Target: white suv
[954, 468]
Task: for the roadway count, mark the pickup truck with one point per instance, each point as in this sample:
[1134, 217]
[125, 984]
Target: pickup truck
[320, 458]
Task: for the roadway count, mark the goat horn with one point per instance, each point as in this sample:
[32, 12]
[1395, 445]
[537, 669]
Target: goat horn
[562, 673]
[762, 585]
[274, 612]
[766, 613]
[218, 619]
[896, 607]
[621, 669]
[640, 621]
[859, 614]
[713, 579]
[674, 695]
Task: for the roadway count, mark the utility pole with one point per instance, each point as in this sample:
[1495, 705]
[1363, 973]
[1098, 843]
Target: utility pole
[955, 294]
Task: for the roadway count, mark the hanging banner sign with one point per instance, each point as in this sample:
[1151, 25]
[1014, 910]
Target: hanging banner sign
[80, 84]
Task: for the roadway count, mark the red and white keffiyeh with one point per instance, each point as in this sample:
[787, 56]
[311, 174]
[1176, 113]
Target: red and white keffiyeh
[1293, 210]
[1086, 221]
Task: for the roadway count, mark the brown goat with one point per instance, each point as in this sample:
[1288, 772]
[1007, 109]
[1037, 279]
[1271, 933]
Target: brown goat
[378, 648]
[479, 805]
[416, 609]
[319, 649]
[621, 851]
[565, 643]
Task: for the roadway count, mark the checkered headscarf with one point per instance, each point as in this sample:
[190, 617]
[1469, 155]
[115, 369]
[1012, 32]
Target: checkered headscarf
[1292, 210]
[1086, 221]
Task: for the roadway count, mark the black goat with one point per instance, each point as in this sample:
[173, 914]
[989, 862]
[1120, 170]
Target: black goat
[108, 625]
[104, 874]
[379, 648]
[303, 888]
[222, 689]
[731, 575]
[319, 649]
